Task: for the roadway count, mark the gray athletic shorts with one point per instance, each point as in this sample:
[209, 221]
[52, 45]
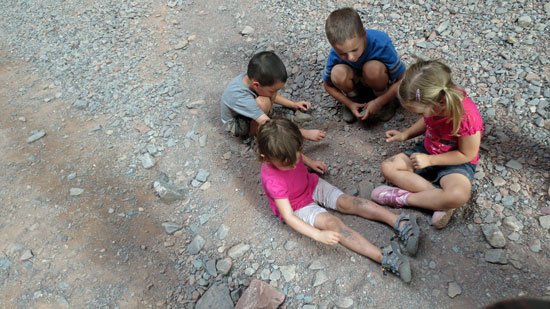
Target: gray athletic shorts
[325, 195]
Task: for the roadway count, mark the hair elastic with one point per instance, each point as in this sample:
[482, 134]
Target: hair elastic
[417, 95]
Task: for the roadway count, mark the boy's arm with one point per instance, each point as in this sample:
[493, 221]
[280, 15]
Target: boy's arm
[342, 98]
[318, 166]
[413, 131]
[303, 105]
[262, 119]
[297, 224]
[375, 105]
[468, 147]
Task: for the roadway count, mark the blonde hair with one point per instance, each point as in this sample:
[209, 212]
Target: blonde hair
[279, 139]
[428, 83]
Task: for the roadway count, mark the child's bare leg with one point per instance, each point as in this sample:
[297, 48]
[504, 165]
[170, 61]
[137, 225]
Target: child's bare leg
[265, 104]
[342, 77]
[365, 208]
[375, 76]
[455, 191]
[350, 238]
[399, 171]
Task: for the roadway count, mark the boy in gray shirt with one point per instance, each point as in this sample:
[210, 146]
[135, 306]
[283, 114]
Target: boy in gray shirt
[248, 99]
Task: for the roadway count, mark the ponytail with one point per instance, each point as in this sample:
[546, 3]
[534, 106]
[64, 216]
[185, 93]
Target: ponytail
[453, 107]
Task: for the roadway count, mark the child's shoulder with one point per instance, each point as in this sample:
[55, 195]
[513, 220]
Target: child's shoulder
[377, 35]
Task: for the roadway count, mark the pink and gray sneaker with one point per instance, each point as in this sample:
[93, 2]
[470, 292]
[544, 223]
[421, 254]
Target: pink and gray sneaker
[390, 196]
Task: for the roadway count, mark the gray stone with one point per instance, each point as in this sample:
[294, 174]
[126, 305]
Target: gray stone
[238, 251]
[535, 245]
[288, 272]
[202, 175]
[443, 26]
[171, 227]
[290, 245]
[36, 135]
[168, 192]
[71, 176]
[247, 30]
[544, 222]
[494, 235]
[217, 296]
[496, 256]
[320, 278]
[182, 44]
[4, 263]
[147, 161]
[196, 245]
[344, 302]
[512, 223]
[525, 21]
[514, 164]
[211, 268]
[75, 191]
[454, 289]
[27, 255]
[202, 140]
[222, 232]
[499, 181]
[224, 265]
[514, 236]
[80, 104]
[275, 275]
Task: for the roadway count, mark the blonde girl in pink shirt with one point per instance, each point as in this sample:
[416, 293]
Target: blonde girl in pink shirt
[437, 174]
[300, 199]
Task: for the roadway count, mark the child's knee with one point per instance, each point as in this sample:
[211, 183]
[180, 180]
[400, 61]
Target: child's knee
[341, 75]
[375, 75]
[333, 223]
[457, 197]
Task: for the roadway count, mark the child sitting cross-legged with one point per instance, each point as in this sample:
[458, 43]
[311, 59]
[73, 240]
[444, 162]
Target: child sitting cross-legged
[300, 199]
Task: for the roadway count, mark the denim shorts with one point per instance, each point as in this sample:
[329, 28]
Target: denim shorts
[435, 173]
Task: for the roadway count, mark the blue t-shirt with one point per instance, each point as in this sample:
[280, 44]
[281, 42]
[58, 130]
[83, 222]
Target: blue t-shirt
[379, 47]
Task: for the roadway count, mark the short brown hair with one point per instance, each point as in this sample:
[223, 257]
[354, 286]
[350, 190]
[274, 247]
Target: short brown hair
[343, 24]
[279, 139]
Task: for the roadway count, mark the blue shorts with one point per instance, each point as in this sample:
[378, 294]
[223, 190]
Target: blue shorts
[435, 173]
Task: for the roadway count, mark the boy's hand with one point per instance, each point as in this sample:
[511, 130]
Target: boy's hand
[356, 108]
[372, 108]
[328, 237]
[302, 105]
[395, 136]
[314, 135]
[319, 166]
[420, 160]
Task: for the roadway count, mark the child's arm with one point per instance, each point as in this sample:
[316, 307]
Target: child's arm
[297, 224]
[413, 131]
[302, 105]
[468, 147]
[318, 166]
[375, 105]
[342, 98]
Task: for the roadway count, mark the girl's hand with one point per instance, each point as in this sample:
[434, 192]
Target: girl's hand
[420, 160]
[328, 237]
[319, 166]
[314, 135]
[302, 105]
[395, 136]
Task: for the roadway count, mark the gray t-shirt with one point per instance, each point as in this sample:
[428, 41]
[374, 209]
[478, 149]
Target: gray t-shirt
[237, 99]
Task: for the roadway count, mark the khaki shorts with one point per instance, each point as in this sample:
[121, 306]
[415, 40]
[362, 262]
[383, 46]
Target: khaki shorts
[325, 195]
[238, 126]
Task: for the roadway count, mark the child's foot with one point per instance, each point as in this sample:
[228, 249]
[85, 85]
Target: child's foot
[390, 196]
[394, 261]
[408, 232]
[387, 111]
[440, 219]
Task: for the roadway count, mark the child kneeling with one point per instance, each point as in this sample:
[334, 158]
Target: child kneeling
[299, 198]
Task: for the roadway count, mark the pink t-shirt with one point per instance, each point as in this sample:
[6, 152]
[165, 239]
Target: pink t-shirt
[297, 185]
[438, 138]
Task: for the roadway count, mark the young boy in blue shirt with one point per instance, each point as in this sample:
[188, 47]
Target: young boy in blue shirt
[248, 100]
[361, 60]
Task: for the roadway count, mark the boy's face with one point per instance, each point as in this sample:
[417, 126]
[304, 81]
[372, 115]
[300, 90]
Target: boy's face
[351, 49]
[267, 91]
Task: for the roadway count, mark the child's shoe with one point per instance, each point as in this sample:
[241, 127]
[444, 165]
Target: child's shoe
[390, 196]
[440, 219]
[408, 233]
[347, 115]
[394, 261]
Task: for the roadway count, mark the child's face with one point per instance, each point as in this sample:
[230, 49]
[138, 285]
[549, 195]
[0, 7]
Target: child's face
[267, 91]
[282, 167]
[351, 49]
[420, 109]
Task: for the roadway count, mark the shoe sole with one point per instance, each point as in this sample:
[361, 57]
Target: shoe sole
[416, 231]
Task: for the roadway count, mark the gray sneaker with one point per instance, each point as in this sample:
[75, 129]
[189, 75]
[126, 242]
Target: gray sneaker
[395, 262]
[347, 115]
[408, 234]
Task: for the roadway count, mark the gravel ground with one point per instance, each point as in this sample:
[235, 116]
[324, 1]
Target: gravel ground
[105, 102]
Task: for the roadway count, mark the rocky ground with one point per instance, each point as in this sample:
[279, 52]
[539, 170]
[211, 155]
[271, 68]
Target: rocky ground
[109, 104]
